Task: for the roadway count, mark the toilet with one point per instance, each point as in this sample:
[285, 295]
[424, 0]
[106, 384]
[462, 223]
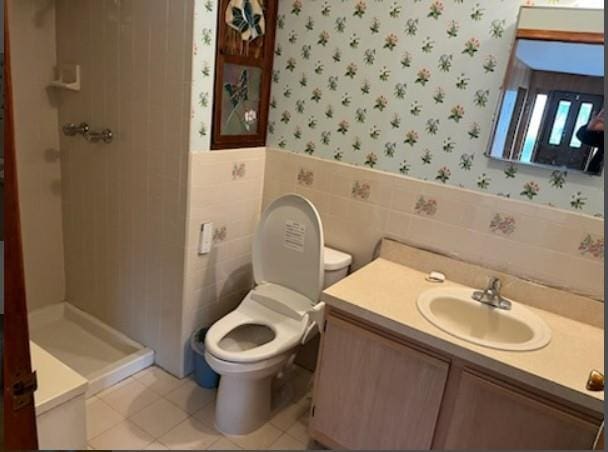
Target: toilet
[249, 346]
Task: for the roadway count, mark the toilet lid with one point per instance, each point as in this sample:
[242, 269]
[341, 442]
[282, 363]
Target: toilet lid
[288, 246]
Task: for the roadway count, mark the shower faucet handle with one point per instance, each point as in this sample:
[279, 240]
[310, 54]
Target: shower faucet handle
[105, 135]
[71, 129]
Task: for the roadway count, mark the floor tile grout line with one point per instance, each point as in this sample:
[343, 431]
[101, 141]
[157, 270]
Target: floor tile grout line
[109, 428]
[191, 416]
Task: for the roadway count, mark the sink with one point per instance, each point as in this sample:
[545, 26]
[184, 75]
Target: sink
[452, 310]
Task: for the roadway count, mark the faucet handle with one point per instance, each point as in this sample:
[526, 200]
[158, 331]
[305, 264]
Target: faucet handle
[494, 284]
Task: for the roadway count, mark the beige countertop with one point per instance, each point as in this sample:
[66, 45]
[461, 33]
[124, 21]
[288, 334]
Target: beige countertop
[384, 293]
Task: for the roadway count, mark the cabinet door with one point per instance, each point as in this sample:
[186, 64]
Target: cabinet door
[491, 415]
[375, 393]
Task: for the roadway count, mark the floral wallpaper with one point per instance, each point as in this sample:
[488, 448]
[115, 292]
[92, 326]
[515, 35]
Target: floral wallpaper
[203, 71]
[407, 86]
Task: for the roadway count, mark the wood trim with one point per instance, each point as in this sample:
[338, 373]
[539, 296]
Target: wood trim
[557, 35]
[19, 424]
[219, 141]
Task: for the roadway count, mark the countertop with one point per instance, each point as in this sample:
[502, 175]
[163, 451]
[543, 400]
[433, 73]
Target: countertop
[384, 293]
[57, 383]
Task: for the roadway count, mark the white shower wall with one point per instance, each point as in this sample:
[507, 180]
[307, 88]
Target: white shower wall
[32, 28]
[124, 203]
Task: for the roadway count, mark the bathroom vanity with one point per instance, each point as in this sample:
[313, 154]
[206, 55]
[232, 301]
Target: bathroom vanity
[389, 379]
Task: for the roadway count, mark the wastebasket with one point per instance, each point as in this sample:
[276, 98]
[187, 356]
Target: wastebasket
[203, 373]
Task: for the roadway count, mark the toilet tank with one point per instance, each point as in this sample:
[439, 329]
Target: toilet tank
[336, 265]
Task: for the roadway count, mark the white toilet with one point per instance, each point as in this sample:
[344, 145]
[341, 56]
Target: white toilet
[251, 345]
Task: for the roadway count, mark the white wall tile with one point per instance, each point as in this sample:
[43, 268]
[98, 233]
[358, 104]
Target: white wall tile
[125, 224]
[541, 246]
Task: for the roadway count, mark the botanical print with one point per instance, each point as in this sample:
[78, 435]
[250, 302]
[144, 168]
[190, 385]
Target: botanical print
[504, 224]
[306, 177]
[425, 206]
[410, 87]
[593, 246]
[239, 170]
[361, 190]
[241, 100]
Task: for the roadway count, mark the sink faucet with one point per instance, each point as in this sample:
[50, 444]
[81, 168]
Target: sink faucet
[491, 295]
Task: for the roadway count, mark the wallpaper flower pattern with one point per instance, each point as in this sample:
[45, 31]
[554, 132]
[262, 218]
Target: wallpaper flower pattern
[407, 86]
[203, 70]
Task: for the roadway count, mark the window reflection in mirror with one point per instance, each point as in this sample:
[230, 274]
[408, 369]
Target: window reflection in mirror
[551, 113]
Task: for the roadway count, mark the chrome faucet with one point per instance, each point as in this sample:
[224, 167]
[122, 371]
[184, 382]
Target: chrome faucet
[491, 295]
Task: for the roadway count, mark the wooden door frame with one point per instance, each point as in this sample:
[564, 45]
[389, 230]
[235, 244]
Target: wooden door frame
[19, 416]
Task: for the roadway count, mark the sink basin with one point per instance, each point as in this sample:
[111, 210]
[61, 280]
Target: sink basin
[452, 310]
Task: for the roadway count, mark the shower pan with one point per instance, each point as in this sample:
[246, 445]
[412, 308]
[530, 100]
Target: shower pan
[96, 351]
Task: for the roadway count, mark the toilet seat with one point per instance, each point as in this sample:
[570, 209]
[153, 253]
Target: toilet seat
[288, 332]
[288, 247]
[288, 270]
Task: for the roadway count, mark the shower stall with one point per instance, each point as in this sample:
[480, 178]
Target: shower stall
[103, 205]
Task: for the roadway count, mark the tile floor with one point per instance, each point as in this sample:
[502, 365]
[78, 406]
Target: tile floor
[154, 410]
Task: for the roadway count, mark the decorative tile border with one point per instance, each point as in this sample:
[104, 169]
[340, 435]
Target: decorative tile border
[361, 190]
[426, 207]
[503, 224]
[239, 170]
[220, 234]
[593, 246]
[306, 177]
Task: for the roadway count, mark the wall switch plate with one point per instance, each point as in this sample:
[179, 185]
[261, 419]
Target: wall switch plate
[205, 241]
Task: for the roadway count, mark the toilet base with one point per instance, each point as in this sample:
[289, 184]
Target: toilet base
[242, 405]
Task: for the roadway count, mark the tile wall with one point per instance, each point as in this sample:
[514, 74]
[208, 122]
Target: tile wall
[225, 189]
[358, 206]
[125, 203]
[32, 27]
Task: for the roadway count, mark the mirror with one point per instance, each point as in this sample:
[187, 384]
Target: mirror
[548, 115]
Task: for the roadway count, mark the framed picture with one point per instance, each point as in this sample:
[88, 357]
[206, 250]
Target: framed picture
[241, 89]
[246, 32]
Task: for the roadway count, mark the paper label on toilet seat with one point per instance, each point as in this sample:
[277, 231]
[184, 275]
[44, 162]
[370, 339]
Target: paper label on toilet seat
[294, 236]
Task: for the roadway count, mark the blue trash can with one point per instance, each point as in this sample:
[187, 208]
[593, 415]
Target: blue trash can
[203, 374]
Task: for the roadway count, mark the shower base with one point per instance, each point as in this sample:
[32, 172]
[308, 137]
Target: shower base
[96, 351]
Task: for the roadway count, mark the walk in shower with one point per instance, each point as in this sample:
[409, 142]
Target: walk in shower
[103, 228]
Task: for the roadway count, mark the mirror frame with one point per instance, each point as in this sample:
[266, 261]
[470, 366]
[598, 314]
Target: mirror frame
[537, 31]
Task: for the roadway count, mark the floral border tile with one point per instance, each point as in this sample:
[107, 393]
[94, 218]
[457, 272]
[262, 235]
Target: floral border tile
[503, 224]
[592, 246]
[426, 207]
[361, 190]
[239, 170]
[220, 234]
[305, 177]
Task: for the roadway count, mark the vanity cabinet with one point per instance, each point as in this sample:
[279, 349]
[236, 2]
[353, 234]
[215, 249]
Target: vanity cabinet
[376, 390]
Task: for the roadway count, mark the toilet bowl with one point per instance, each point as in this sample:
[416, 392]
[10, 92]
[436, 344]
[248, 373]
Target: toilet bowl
[249, 346]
